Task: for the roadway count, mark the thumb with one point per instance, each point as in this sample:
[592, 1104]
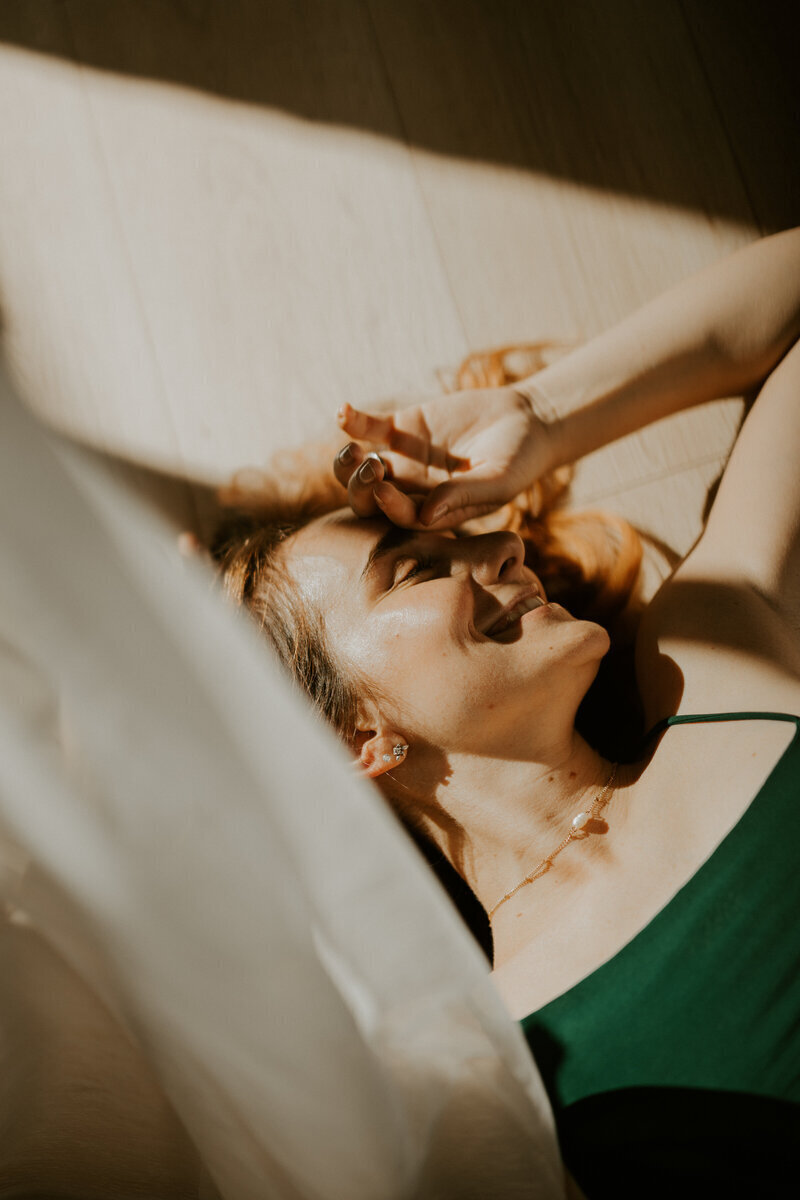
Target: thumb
[462, 499]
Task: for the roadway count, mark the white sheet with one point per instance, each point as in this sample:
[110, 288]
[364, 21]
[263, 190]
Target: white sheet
[255, 919]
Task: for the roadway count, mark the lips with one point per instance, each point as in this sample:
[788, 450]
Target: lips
[521, 604]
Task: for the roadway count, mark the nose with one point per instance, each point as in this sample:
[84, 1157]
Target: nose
[496, 557]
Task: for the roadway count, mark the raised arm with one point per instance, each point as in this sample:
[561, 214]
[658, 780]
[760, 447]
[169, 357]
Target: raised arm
[729, 329]
[718, 333]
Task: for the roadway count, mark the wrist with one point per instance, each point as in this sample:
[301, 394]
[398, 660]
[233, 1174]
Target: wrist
[550, 423]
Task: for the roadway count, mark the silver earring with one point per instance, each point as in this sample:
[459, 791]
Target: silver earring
[399, 752]
[387, 758]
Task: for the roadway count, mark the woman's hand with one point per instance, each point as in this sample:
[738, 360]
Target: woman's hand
[447, 460]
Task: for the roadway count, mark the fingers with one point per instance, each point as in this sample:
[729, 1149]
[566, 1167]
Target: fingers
[363, 425]
[368, 489]
[381, 430]
[347, 461]
[404, 509]
[369, 493]
[364, 474]
[399, 507]
[455, 501]
[361, 486]
[443, 501]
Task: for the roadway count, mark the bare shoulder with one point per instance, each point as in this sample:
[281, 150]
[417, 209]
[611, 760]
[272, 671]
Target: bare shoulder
[711, 640]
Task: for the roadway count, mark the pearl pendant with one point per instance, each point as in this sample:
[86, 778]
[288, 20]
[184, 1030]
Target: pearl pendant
[580, 822]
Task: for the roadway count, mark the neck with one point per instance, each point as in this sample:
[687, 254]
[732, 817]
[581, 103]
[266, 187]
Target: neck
[511, 814]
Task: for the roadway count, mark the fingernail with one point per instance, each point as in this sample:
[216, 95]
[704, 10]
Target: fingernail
[341, 413]
[366, 472]
[346, 455]
[438, 513]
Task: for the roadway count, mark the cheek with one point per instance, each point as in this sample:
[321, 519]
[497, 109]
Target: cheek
[413, 643]
[412, 655]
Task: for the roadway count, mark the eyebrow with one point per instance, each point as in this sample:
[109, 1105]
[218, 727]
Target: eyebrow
[395, 538]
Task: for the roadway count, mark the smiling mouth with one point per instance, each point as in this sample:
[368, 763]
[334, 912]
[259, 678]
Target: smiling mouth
[514, 616]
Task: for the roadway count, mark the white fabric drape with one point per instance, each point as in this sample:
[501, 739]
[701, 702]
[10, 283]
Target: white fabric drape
[184, 834]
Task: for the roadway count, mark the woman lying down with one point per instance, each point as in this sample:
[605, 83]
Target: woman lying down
[637, 863]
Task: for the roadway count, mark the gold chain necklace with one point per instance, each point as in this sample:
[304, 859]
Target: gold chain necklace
[578, 830]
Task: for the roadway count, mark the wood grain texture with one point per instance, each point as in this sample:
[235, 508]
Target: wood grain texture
[70, 310]
[748, 53]
[222, 220]
[584, 93]
[74, 330]
[531, 256]
[216, 46]
[280, 268]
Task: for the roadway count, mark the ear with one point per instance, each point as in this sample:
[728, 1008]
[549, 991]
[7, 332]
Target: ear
[190, 546]
[379, 750]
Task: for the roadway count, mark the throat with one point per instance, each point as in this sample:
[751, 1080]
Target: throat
[587, 822]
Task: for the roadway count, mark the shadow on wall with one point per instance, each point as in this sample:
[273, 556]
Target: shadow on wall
[656, 100]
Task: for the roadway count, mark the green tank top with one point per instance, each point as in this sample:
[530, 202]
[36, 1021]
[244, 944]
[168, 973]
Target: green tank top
[674, 1068]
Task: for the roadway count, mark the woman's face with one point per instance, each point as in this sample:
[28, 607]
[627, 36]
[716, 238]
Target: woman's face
[416, 615]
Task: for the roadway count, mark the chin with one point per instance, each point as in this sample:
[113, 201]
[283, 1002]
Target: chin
[590, 639]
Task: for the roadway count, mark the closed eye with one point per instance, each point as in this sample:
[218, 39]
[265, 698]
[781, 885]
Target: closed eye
[422, 562]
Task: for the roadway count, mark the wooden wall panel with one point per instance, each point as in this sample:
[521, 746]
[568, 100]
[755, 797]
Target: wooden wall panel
[276, 267]
[748, 53]
[532, 256]
[70, 311]
[222, 220]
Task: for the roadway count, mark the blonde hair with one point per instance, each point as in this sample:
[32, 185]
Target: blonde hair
[589, 562]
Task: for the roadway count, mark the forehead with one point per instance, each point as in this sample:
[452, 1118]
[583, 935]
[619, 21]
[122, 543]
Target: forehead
[328, 554]
[343, 541]
[340, 535]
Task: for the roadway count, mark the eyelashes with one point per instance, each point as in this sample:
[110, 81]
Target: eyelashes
[422, 562]
[419, 561]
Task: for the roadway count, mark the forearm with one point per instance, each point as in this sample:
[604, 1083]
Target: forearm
[718, 333]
